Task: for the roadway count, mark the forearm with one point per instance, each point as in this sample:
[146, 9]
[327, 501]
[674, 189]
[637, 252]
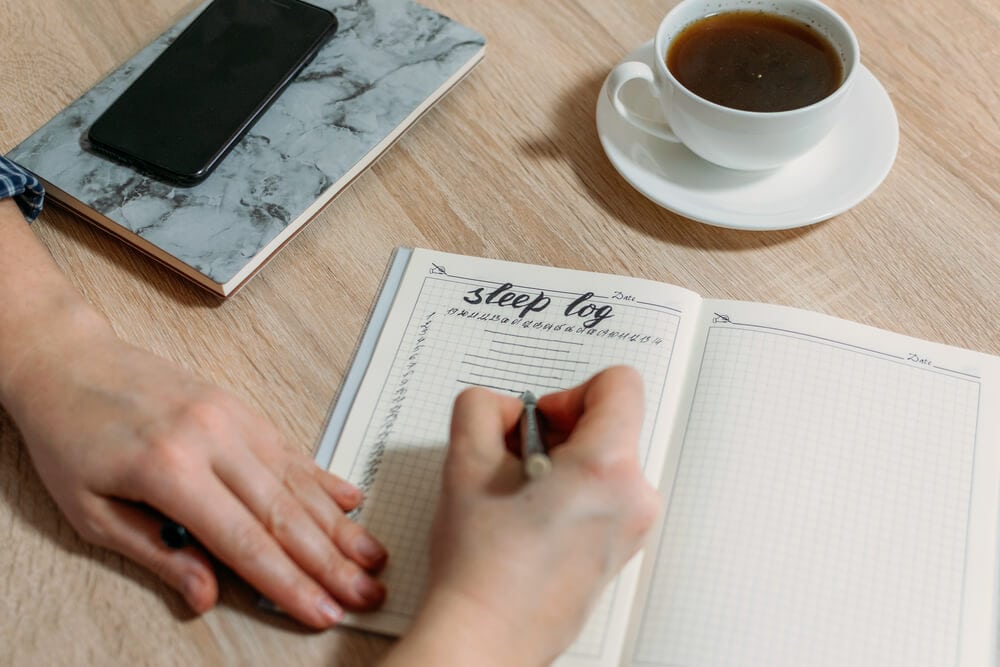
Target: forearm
[42, 312]
[452, 631]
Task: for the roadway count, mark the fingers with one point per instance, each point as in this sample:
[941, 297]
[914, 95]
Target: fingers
[603, 414]
[478, 450]
[324, 496]
[603, 420]
[135, 533]
[226, 527]
[294, 546]
[271, 450]
[286, 519]
[285, 489]
[314, 488]
[346, 495]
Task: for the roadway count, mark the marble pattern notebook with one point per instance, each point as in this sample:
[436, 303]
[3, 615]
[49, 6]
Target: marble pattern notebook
[389, 62]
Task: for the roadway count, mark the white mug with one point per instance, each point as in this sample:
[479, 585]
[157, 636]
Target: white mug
[734, 138]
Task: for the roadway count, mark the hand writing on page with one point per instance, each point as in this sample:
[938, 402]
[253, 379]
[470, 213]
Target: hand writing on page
[516, 565]
[114, 430]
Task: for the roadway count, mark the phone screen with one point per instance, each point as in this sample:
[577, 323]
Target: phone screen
[194, 102]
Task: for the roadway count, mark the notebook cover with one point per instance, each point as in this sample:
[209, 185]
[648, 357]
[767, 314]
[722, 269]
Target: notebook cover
[388, 63]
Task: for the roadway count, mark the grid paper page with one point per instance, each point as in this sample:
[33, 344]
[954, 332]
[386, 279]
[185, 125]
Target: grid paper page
[814, 478]
[449, 345]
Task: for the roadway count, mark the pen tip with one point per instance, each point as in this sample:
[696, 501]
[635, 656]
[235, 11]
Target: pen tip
[537, 466]
[527, 397]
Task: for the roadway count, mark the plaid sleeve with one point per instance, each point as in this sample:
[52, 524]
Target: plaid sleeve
[23, 186]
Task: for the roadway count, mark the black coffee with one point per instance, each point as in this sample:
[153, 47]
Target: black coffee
[755, 61]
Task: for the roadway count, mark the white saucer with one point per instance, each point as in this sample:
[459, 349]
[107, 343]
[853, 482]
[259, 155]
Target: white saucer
[838, 173]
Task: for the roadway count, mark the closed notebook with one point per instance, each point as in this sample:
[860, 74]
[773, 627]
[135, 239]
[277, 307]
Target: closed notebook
[389, 62]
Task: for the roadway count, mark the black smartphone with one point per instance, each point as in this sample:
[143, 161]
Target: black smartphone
[182, 115]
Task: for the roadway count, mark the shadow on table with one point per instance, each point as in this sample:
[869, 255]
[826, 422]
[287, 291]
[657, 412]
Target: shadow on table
[147, 272]
[576, 141]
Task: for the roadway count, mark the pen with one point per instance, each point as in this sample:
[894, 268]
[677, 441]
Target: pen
[534, 457]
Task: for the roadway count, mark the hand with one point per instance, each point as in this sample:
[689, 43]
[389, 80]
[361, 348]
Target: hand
[122, 438]
[516, 565]
[116, 432]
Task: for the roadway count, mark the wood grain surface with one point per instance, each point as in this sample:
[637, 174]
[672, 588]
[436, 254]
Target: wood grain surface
[508, 165]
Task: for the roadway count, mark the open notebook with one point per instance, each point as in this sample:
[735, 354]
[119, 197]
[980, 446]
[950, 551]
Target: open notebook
[831, 489]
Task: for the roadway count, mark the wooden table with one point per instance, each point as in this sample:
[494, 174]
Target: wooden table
[508, 165]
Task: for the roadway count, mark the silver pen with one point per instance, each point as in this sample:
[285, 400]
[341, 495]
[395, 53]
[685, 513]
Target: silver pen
[534, 456]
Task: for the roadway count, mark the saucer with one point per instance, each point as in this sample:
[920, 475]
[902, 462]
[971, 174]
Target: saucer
[839, 172]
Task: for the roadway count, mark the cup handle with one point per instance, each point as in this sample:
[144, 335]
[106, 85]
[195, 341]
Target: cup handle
[621, 75]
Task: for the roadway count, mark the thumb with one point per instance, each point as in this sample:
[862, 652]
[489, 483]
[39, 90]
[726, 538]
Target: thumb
[477, 447]
[605, 411]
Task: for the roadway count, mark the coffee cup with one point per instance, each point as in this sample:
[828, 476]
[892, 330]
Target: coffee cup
[747, 127]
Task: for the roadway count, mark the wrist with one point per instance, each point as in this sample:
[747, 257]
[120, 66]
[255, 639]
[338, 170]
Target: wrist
[455, 629]
[62, 326]
[44, 317]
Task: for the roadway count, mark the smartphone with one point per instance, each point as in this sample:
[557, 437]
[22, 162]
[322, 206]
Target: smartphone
[181, 116]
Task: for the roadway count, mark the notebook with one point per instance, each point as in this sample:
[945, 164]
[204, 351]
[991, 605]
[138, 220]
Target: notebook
[389, 62]
[830, 489]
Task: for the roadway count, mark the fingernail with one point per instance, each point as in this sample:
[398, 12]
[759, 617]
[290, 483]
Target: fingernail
[373, 552]
[369, 589]
[331, 611]
[190, 588]
[349, 489]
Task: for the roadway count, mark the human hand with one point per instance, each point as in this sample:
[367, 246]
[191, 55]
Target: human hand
[516, 565]
[116, 432]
